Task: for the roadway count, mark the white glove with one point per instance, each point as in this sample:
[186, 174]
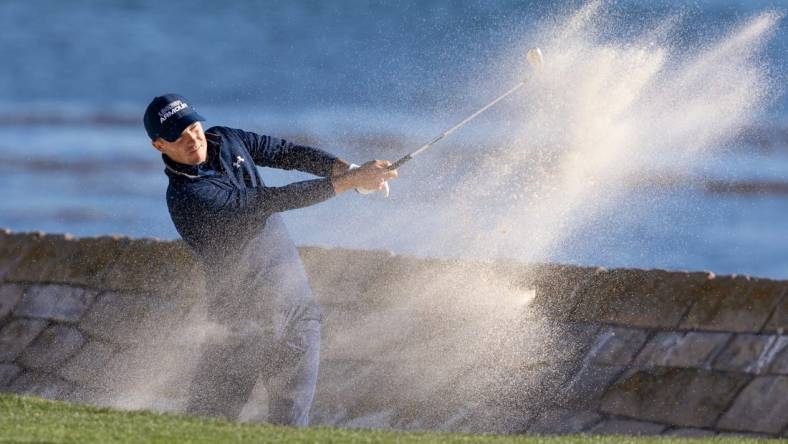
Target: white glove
[385, 190]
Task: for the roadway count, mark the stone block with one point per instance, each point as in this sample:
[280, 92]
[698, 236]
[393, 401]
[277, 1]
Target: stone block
[89, 364]
[85, 261]
[12, 247]
[778, 322]
[766, 362]
[627, 427]
[733, 303]
[761, 407]
[18, 334]
[7, 373]
[55, 302]
[671, 349]
[355, 335]
[588, 385]
[107, 262]
[375, 260]
[52, 347]
[600, 296]
[5, 260]
[41, 385]
[189, 288]
[39, 257]
[779, 355]
[653, 298]
[746, 353]
[689, 432]
[681, 397]
[424, 284]
[131, 317]
[334, 273]
[10, 294]
[529, 390]
[563, 421]
[153, 375]
[43, 253]
[558, 289]
[667, 302]
[637, 298]
[348, 388]
[616, 346]
[549, 357]
[150, 266]
[571, 341]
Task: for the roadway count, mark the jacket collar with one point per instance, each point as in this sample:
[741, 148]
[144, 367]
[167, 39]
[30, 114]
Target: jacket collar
[193, 171]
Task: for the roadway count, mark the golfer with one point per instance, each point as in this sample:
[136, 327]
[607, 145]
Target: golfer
[257, 288]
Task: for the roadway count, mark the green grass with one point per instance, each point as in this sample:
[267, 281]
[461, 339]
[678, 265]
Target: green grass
[33, 420]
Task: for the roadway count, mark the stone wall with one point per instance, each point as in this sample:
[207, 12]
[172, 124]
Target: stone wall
[413, 343]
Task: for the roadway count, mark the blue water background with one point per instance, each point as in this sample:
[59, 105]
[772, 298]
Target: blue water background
[357, 78]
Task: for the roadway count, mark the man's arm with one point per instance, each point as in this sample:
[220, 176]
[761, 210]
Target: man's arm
[272, 152]
[278, 153]
[233, 202]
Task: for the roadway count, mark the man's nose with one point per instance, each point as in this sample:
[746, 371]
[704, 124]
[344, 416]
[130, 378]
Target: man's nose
[192, 135]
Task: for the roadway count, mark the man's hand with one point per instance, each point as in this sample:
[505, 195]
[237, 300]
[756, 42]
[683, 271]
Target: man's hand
[371, 176]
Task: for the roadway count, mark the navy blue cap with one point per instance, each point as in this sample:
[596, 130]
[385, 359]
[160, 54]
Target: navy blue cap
[168, 115]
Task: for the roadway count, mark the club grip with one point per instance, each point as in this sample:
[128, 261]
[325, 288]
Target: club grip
[399, 163]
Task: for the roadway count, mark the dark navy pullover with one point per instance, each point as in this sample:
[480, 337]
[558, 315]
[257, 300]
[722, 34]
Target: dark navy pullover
[227, 215]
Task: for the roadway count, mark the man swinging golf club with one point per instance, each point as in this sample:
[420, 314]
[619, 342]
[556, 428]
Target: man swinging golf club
[257, 288]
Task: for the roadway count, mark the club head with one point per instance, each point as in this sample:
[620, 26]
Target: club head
[535, 58]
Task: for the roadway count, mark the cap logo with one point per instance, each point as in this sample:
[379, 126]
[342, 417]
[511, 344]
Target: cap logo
[171, 109]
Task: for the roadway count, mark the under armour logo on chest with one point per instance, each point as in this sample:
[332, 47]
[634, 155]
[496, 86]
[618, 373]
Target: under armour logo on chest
[239, 160]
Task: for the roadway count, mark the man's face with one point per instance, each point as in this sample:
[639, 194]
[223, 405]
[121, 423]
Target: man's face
[190, 148]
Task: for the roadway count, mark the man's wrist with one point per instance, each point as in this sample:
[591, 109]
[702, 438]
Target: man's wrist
[339, 167]
[341, 183]
[339, 179]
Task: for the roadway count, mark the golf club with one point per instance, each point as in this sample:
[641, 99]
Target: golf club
[535, 59]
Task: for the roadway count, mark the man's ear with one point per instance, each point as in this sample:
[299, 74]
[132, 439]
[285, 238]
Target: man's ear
[158, 145]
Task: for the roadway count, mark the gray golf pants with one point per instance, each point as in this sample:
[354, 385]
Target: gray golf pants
[287, 364]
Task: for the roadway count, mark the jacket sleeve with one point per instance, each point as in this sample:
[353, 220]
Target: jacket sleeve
[231, 202]
[271, 152]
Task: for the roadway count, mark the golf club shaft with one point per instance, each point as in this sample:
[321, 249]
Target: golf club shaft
[410, 156]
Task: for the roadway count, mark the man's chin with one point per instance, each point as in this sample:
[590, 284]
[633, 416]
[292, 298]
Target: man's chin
[200, 157]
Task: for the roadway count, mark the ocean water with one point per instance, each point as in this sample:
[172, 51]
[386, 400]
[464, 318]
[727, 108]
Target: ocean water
[363, 80]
